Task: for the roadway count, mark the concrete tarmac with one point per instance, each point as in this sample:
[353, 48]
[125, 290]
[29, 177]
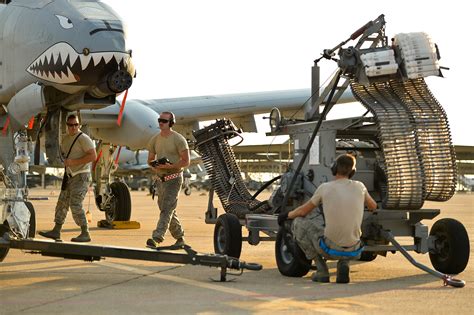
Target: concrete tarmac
[33, 284]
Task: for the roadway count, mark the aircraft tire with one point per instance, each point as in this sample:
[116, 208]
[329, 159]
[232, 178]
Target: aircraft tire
[3, 250]
[228, 235]
[451, 252]
[291, 260]
[121, 209]
[32, 228]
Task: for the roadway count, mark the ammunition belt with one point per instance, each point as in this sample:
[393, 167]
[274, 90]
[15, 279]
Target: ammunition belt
[413, 131]
[224, 172]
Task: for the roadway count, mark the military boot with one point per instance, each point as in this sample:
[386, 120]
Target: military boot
[84, 236]
[153, 242]
[343, 271]
[180, 242]
[322, 272]
[54, 234]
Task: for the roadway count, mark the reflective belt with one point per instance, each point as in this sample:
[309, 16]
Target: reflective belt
[169, 177]
[333, 252]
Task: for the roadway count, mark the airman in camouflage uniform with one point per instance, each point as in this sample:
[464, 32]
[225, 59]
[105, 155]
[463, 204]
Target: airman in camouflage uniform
[335, 233]
[77, 173]
[168, 154]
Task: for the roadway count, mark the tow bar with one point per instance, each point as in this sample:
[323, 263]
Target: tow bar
[447, 279]
[91, 253]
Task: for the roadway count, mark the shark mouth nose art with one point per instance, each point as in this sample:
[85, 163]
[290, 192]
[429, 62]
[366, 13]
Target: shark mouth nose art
[60, 63]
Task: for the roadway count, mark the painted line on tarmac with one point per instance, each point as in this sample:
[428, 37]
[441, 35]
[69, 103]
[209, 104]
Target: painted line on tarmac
[191, 282]
[333, 306]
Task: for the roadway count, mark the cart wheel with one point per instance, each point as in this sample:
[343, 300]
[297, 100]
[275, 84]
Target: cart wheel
[450, 254]
[121, 205]
[187, 191]
[32, 229]
[367, 256]
[228, 235]
[3, 250]
[291, 260]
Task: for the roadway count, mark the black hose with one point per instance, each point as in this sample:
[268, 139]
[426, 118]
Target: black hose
[447, 279]
[271, 181]
[326, 110]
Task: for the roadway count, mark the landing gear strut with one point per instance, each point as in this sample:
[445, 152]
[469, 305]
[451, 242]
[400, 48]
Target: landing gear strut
[111, 197]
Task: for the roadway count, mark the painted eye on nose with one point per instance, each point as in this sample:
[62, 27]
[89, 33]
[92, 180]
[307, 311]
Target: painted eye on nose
[65, 22]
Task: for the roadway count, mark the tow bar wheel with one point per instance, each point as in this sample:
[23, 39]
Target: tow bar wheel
[228, 235]
[291, 260]
[451, 251]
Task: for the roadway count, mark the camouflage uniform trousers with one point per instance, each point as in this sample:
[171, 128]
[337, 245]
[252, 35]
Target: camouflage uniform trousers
[73, 197]
[167, 193]
[308, 230]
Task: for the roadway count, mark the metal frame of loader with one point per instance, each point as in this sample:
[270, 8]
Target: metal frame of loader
[447, 243]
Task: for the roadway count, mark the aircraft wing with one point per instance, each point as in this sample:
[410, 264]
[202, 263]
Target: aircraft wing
[139, 120]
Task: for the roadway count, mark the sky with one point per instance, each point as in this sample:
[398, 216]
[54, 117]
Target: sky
[210, 47]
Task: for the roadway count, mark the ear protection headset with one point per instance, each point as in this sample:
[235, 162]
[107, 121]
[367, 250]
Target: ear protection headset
[172, 119]
[334, 169]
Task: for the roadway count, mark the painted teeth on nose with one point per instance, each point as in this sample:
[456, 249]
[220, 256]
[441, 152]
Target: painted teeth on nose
[70, 76]
[107, 57]
[85, 61]
[96, 58]
[118, 57]
[56, 56]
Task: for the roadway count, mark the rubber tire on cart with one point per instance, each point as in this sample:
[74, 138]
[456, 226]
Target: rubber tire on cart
[228, 235]
[121, 207]
[32, 228]
[367, 256]
[451, 253]
[187, 191]
[291, 260]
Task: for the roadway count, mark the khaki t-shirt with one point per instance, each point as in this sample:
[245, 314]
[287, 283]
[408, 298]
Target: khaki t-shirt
[343, 201]
[169, 147]
[81, 146]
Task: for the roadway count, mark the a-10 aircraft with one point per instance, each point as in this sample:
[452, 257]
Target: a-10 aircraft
[59, 56]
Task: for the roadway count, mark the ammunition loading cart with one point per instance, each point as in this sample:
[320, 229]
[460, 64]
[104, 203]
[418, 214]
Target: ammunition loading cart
[403, 150]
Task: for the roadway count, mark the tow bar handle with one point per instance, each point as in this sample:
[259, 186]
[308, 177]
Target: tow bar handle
[251, 266]
[234, 263]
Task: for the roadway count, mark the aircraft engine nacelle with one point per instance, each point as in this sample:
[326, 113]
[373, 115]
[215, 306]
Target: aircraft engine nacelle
[28, 102]
[139, 124]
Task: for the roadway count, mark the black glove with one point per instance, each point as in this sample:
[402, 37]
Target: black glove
[164, 160]
[282, 217]
[161, 161]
